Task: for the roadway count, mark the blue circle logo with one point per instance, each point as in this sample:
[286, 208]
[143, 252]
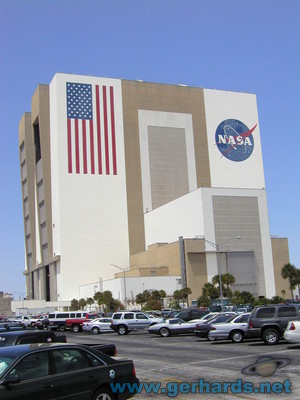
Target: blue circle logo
[234, 140]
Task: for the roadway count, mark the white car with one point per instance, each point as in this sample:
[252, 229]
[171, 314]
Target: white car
[234, 329]
[97, 325]
[292, 332]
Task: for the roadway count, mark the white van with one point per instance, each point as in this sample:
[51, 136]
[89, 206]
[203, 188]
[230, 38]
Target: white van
[57, 319]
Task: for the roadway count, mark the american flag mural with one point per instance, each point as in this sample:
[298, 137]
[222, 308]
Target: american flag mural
[91, 138]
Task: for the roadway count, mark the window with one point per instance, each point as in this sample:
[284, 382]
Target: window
[141, 316]
[267, 312]
[72, 359]
[117, 316]
[37, 143]
[62, 315]
[33, 366]
[128, 316]
[287, 312]
[28, 340]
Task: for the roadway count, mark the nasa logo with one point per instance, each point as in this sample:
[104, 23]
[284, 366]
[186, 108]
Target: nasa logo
[235, 140]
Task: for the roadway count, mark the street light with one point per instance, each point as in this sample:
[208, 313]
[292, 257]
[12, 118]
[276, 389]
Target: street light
[124, 277]
[217, 247]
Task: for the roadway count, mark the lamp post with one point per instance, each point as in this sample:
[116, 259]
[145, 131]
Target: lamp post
[124, 277]
[217, 247]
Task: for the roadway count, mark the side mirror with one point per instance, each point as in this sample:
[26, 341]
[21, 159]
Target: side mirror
[10, 380]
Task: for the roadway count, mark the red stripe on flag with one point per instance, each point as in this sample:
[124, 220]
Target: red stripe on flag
[98, 130]
[92, 147]
[113, 134]
[105, 130]
[69, 147]
[84, 147]
[77, 147]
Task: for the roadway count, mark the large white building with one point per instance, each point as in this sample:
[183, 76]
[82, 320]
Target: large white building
[110, 167]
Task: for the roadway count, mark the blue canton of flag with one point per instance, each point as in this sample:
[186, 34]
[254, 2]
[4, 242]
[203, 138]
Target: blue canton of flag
[79, 101]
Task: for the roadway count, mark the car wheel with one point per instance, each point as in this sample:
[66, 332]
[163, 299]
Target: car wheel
[271, 336]
[164, 332]
[76, 328]
[103, 394]
[122, 330]
[61, 328]
[211, 338]
[95, 330]
[237, 336]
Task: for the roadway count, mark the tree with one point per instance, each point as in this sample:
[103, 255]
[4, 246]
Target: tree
[98, 297]
[277, 300]
[108, 300]
[210, 291]
[203, 301]
[90, 301]
[186, 291]
[283, 293]
[142, 298]
[74, 305]
[228, 280]
[182, 294]
[289, 272]
[82, 303]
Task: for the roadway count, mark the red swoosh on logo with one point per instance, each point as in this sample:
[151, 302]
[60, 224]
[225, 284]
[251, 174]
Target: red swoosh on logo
[243, 135]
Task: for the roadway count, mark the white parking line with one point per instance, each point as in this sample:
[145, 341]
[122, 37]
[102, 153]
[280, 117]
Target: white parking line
[233, 358]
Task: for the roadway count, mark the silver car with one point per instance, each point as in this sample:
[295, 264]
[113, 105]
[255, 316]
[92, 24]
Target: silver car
[97, 325]
[174, 326]
[234, 329]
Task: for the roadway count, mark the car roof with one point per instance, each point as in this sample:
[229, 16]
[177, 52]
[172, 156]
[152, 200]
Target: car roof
[19, 333]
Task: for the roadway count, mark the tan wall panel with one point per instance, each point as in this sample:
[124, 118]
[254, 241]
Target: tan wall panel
[280, 251]
[157, 97]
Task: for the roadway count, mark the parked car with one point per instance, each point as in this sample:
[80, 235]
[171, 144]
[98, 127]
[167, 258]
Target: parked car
[26, 320]
[27, 336]
[11, 326]
[60, 371]
[234, 329]
[202, 329]
[75, 324]
[97, 325]
[171, 314]
[292, 332]
[125, 321]
[187, 314]
[269, 322]
[173, 326]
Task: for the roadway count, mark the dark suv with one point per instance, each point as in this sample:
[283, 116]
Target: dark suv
[269, 322]
[187, 314]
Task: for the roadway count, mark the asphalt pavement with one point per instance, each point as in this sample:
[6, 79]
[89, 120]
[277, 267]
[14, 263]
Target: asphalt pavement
[186, 359]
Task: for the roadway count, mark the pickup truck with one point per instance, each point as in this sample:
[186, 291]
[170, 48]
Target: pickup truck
[26, 320]
[11, 338]
[75, 324]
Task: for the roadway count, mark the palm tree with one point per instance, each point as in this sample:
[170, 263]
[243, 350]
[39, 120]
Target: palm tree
[228, 280]
[210, 291]
[90, 301]
[289, 272]
[283, 292]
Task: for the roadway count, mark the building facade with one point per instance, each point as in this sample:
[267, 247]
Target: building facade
[111, 167]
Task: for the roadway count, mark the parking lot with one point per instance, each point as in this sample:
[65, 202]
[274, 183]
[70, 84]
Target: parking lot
[186, 358]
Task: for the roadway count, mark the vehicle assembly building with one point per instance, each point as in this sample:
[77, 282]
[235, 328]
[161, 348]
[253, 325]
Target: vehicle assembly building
[165, 182]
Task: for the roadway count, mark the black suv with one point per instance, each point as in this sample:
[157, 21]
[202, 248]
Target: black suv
[269, 322]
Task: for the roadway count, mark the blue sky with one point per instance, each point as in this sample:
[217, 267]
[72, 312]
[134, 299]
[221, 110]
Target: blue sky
[244, 46]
